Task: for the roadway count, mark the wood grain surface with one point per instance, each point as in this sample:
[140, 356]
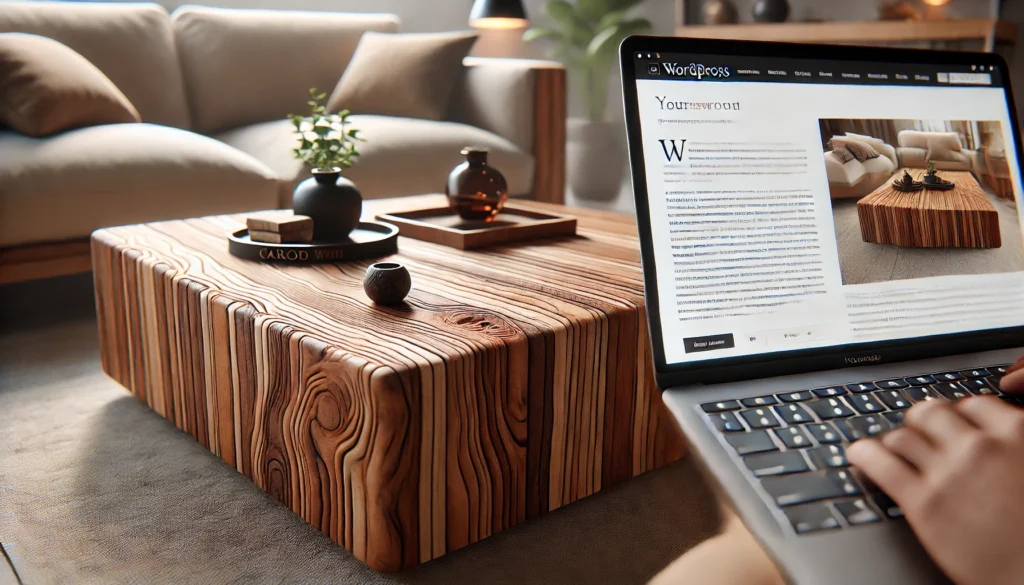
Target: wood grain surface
[959, 218]
[513, 381]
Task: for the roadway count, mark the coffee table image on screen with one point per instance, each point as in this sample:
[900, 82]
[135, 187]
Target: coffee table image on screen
[921, 198]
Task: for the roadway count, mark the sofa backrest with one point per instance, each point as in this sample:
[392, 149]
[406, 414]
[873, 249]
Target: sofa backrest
[918, 139]
[247, 66]
[131, 43]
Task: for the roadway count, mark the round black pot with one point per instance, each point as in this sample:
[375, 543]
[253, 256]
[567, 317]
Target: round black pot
[387, 283]
[332, 201]
[770, 10]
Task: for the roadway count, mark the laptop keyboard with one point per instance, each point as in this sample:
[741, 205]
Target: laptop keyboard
[794, 443]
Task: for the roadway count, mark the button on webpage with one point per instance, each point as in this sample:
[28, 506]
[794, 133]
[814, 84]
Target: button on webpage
[708, 343]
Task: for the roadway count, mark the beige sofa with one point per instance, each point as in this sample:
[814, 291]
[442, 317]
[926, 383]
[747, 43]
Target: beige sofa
[213, 87]
[916, 148]
[855, 179]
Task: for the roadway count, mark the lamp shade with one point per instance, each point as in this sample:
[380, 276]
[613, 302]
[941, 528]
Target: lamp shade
[497, 14]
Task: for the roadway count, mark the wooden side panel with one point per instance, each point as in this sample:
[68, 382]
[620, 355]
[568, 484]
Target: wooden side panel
[549, 134]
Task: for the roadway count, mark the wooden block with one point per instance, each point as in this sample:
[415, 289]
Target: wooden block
[961, 217]
[275, 238]
[279, 224]
[518, 380]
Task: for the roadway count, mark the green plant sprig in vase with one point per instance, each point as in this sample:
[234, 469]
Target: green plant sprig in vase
[327, 144]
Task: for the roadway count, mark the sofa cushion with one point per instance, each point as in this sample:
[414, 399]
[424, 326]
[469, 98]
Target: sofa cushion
[921, 139]
[861, 151]
[46, 87]
[131, 44]
[409, 75]
[248, 66]
[401, 156]
[68, 185]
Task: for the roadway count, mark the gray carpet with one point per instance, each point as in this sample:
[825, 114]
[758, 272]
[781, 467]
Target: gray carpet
[96, 488]
[863, 262]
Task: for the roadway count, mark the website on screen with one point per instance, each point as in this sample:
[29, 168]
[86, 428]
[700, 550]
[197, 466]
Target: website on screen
[798, 204]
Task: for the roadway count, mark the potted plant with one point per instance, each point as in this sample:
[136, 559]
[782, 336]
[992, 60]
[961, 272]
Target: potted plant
[587, 34]
[327, 145]
[930, 177]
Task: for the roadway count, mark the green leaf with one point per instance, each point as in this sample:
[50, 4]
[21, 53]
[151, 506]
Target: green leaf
[574, 26]
[623, 4]
[611, 19]
[540, 32]
[593, 9]
[601, 51]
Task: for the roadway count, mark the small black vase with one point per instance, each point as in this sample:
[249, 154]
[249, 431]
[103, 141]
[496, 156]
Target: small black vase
[332, 201]
[771, 10]
[387, 283]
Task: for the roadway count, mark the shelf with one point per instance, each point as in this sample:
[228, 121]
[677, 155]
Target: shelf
[987, 30]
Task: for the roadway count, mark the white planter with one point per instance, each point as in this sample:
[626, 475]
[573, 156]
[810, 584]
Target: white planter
[595, 158]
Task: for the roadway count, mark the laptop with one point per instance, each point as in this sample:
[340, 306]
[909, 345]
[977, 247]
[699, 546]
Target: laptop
[829, 234]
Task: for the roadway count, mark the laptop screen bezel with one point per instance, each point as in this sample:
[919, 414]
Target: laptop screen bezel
[763, 365]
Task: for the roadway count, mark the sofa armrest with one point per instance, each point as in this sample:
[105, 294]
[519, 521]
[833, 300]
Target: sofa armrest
[523, 101]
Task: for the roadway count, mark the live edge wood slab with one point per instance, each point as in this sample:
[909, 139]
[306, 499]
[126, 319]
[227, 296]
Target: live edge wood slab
[961, 217]
[515, 380]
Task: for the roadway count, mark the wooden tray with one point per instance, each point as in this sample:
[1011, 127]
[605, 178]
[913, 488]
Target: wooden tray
[441, 225]
[369, 240]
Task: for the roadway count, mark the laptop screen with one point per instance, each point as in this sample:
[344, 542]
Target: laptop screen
[798, 204]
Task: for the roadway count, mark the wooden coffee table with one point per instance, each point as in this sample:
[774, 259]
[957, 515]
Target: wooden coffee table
[962, 217]
[516, 380]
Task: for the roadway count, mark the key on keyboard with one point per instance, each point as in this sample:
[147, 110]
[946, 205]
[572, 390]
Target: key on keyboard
[865, 403]
[830, 408]
[811, 518]
[800, 488]
[894, 399]
[828, 456]
[857, 511]
[760, 418]
[825, 433]
[793, 437]
[794, 413]
[752, 442]
[727, 422]
[776, 463]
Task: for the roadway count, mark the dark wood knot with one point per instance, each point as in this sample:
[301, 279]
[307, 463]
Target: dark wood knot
[483, 322]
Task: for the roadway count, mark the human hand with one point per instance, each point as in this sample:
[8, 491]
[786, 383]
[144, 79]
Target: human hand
[1013, 381]
[957, 472]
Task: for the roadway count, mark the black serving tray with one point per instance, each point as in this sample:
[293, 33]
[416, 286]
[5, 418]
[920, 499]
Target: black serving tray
[370, 239]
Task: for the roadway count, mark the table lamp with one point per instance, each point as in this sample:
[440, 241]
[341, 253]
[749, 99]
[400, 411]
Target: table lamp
[497, 14]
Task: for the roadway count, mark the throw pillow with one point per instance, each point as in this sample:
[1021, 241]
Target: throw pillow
[860, 150]
[943, 146]
[46, 87]
[842, 155]
[876, 143]
[403, 75]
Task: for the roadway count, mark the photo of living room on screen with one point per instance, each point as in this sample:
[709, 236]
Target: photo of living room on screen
[921, 198]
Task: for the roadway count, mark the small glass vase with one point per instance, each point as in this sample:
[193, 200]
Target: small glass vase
[476, 190]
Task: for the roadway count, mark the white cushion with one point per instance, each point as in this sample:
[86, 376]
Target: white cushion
[401, 156]
[68, 185]
[919, 139]
[843, 174]
[248, 66]
[132, 44]
[878, 165]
